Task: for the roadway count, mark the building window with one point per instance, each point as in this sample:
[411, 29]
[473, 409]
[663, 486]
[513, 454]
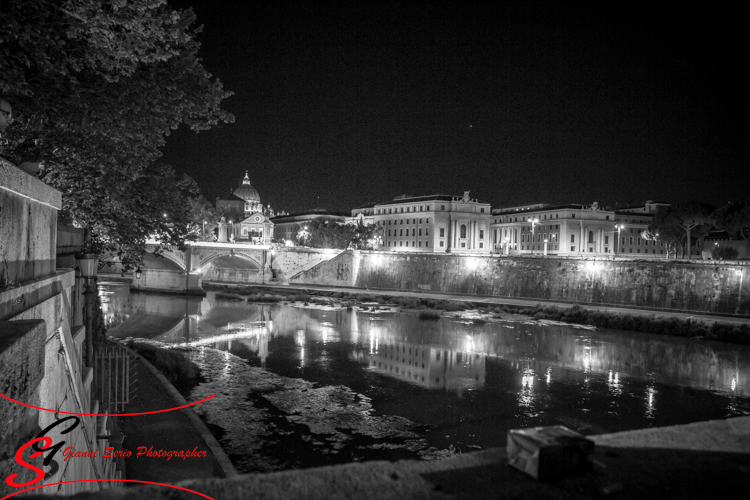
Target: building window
[572, 248]
[442, 232]
[463, 245]
[426, 232]
[572, 238]
[463, 231]
[606, 240]
[400, 243]
[481, 210]
[402, 222]
[481, 234]
[591, 236]
[420, 231]
[442, 243]
[481, 245]
[442, 207]
[420, 220]
[631, 240]
[420, 243]
[413, 232]
[639, 241]
[401, 233]
[389, 232]
[426, 243]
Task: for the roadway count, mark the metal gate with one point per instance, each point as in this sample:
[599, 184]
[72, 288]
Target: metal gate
[112, 377]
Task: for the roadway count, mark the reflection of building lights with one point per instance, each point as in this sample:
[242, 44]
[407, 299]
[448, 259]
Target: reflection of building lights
[613, 383]
[549, 374]
[526, 396]
[734, 384]
[650, 404]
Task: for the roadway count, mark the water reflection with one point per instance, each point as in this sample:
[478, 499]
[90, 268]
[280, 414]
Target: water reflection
[526, 372]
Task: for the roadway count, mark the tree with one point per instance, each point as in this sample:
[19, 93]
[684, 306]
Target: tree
[204, 218]
[681, 222]
[366, 236]
[324, 233]
[96, 88]
[734, 218]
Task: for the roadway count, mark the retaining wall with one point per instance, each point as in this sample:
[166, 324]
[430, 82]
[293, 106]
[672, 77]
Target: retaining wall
[700, 286]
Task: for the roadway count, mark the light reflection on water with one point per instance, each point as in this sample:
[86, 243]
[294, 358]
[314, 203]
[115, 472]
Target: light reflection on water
[469, 381]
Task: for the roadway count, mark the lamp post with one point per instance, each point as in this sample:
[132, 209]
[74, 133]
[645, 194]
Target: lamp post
[545, 246]
[534, 222]
[203, 233]
[88, 263]
[506, 242]
[617, 243]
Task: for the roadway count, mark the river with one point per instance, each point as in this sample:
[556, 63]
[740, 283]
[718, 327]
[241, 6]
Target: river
[305, 385]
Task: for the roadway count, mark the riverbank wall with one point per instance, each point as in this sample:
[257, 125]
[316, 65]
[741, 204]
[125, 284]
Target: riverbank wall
[715, 287]
[42, 343]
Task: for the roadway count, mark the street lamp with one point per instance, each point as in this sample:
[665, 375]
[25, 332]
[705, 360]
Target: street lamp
[506, 242]
[545, 246]
[88, 262]
[617, 243]
[534, 222]
[138, 273]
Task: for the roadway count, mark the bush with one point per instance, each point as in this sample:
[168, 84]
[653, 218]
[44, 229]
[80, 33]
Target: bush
[175, 365]
[725, 253]
[429, 314]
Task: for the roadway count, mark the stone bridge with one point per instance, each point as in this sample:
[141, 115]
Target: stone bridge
[227, 262]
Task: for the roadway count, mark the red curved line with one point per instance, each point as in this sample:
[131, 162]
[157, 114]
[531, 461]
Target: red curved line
[107, 414]
[107, 480]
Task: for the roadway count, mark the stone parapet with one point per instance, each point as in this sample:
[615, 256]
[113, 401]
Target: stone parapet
[28, 226]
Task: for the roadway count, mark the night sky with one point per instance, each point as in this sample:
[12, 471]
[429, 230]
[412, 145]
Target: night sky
[339, 104]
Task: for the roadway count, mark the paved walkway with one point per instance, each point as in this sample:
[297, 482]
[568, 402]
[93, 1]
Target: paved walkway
[179, 430]
[483, 299]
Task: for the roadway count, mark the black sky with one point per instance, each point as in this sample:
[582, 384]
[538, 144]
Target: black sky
[338, 104]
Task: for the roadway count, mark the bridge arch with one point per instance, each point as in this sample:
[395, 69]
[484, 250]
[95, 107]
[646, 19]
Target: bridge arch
[204, 260]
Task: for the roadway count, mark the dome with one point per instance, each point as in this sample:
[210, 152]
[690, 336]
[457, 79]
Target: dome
[246, 191]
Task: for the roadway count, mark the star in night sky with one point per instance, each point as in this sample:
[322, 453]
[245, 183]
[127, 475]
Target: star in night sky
[338, 103]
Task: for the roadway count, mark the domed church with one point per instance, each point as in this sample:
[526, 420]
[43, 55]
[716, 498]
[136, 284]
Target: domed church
[250, 195]
[253, 225]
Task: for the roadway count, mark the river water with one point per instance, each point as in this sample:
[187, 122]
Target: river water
[306, 385]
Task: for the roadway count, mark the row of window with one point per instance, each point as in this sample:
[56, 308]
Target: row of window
[544, 217]
[401, 221]
[413, 244]
[413, 233]
[413, 208]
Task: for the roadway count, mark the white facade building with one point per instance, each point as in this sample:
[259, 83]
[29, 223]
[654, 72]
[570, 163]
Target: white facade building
[434, 223]
[575, 230]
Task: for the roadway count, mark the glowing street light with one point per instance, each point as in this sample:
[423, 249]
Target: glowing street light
[534, 222]
[619, 227]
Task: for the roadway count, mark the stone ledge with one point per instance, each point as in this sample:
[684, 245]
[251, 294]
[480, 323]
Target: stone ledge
[32, 293]
[22, 184]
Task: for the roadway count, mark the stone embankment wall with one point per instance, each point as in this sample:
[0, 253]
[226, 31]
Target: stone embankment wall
[700, 286]
[167, 280]
[41, 341]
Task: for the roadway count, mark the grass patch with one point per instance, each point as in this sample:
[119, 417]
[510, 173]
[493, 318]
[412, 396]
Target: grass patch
[265, 297]
[738, 334]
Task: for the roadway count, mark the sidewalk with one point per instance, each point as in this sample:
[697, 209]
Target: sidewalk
[178, 430]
